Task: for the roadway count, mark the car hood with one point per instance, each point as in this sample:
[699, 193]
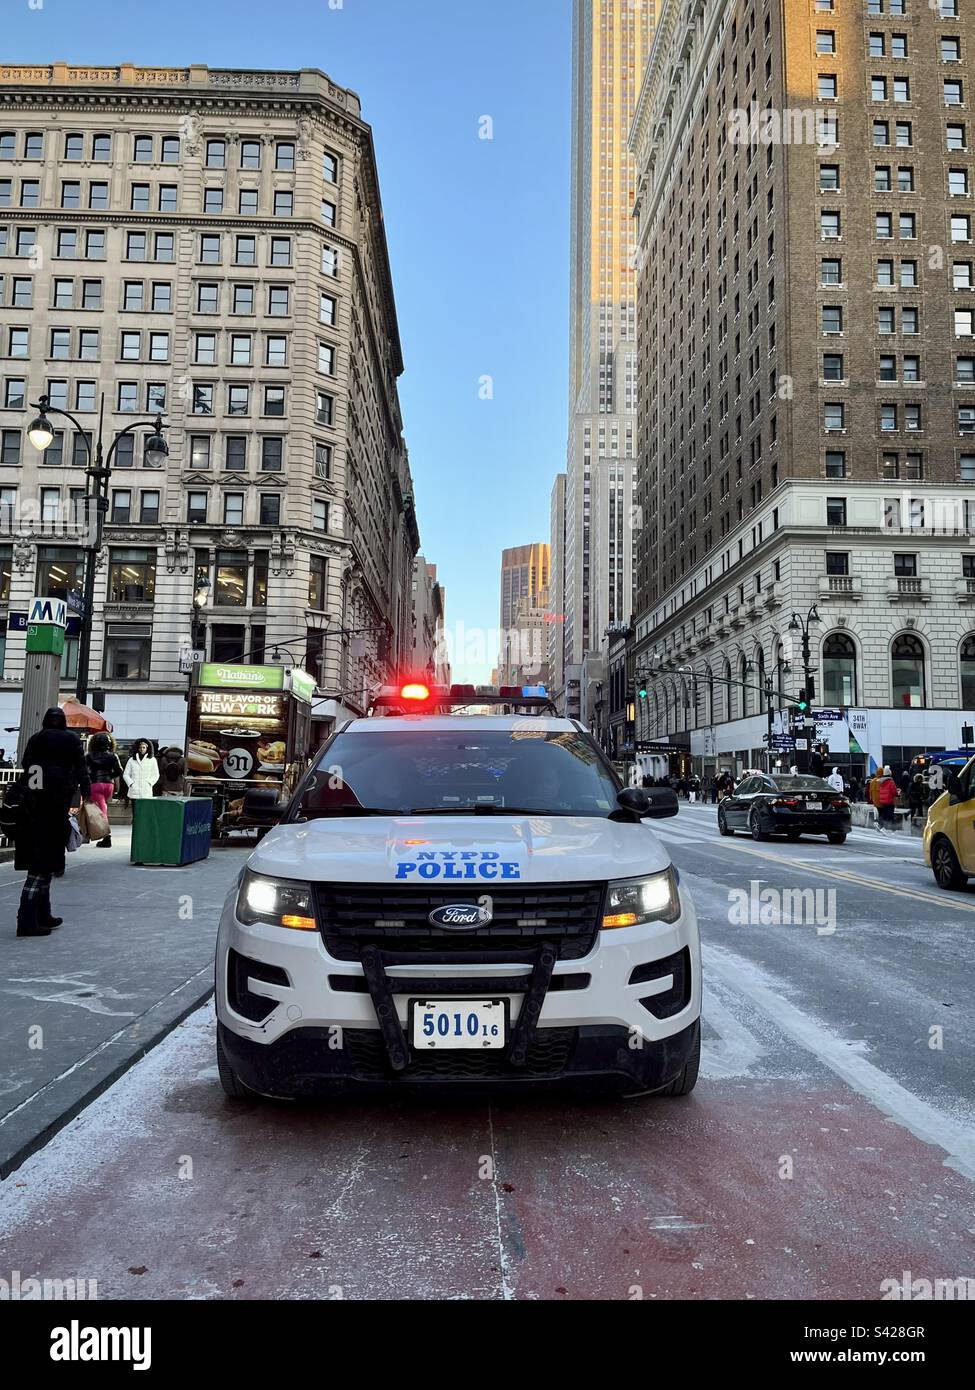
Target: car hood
[460, 851]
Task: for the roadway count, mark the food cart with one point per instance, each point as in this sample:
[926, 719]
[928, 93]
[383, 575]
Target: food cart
[247, 726]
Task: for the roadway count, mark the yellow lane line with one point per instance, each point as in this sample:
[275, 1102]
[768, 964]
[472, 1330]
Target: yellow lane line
[843, 875]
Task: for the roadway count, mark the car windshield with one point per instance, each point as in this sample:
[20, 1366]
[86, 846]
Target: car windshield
[799, 783]
[437, 771]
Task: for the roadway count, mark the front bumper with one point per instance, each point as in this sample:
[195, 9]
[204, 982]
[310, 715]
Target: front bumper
[626, 1013]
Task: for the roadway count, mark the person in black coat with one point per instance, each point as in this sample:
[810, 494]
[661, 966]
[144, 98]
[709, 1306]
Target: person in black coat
[53, 773]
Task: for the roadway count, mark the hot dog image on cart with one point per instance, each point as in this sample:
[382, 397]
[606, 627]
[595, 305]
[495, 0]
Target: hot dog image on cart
[248, 727]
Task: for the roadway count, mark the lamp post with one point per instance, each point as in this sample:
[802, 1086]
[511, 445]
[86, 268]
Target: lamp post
[803, 625]
[200, 600]
[97, 474]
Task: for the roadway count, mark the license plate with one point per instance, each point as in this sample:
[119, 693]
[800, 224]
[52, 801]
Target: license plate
[814, 805]
[456, 1023]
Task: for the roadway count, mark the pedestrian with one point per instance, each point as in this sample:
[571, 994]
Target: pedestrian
[54, 772]
[172, 769]
[885, 793]
[835, 779]
[104, 769]
[4, 760]
[141, 771]
[855, 787]
[694, 789]
[917, 796]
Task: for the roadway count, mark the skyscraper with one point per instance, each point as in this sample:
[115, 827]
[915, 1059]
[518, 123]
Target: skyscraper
[611, 43]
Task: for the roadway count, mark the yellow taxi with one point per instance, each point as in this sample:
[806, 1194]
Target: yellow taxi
[949, 834]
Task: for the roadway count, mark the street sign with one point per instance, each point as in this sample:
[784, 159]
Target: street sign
[188, 659]
[75, 601]
[802, 744]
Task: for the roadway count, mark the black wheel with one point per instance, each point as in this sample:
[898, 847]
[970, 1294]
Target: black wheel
[836, 837]
[754, 825]
[723, 827]
[685, 1081]
[232, 1085]
[945, 867]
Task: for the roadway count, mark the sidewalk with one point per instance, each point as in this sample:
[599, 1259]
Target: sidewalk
[79, 1007]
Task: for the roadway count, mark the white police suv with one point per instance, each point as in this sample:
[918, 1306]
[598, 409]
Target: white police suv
[459, 899]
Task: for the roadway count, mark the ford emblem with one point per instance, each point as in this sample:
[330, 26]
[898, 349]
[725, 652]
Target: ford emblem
[460, 917]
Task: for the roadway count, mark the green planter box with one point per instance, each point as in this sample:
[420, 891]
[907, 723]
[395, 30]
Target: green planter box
[171, 830]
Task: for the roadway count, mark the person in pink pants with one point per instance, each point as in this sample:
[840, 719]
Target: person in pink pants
[103, 769]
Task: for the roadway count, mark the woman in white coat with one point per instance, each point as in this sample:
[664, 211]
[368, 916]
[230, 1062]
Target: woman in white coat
[141, 772]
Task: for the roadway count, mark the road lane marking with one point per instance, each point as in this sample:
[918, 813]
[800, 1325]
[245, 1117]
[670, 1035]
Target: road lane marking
[894, 1100]
[845, 876]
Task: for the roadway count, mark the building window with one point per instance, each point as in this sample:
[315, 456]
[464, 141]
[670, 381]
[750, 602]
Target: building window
[284, 155]
[131, 576]
[967, 672]
[247, 202]
[59, 571]
[280, 250]
[240, 349]
[149, 508]
[238, 400]
[326, 359]
[262, 561]
[213, 200]
[836, 511]
[231, 574]
[243, 299]
[284, 203]
[317, 591]
[839, 670]
[127, 651]
[270, 509]
[142, 149]
[324, 407]
[233, 509]
[319, 514]
[228, 643]
[330, 168]
[907, 672]
[272, 450]
[323, 461]
[196, 508]
[274, 400]
[235, 455]
[277, 351]
[216, 157]
[835, 463]
[200, 450]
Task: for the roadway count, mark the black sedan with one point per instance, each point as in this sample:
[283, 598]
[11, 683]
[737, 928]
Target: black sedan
[790, 804]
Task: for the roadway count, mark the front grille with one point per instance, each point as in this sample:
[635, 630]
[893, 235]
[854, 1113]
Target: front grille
[548, 1054]
[566, 914]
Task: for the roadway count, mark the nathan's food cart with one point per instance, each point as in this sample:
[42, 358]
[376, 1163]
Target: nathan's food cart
[247, 727]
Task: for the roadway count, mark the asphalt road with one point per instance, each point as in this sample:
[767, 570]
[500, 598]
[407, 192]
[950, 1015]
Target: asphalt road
[828, 1147]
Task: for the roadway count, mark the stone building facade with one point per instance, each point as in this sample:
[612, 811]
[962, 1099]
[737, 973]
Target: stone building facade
[807, 370]
[208, 244]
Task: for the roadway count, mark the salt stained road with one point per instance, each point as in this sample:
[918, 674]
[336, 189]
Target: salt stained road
[162, 1189]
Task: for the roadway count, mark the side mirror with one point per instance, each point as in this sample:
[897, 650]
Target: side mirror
[262, 806]
[655, 802]
[953, 786]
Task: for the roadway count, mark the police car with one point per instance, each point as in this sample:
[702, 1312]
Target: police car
[457, 898]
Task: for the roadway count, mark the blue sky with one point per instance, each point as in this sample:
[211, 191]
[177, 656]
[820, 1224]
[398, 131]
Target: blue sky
[478, 230]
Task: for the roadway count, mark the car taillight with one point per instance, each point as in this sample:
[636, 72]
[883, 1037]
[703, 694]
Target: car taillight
[841, 802]
[786, 801]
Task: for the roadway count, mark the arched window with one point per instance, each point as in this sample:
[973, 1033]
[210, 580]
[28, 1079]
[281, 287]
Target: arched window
[907, 672]
[839, 670]
[744, 683]
[968, 673]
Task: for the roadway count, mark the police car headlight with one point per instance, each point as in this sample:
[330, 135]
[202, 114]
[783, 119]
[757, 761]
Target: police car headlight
[277, 902]
[635, 900]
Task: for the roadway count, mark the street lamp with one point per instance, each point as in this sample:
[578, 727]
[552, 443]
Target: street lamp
[200, 600]
[40, 432]
[803, 625]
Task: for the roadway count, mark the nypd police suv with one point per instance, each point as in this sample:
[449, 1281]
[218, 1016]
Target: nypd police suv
[457, 898]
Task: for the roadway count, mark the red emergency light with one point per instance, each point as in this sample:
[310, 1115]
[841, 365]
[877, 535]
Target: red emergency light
[414, 690]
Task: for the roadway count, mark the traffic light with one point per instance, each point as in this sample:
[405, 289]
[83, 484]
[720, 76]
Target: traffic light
[802, 704]
[641, 689]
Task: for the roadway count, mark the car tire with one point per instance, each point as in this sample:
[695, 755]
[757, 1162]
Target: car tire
[945, 867]
[686, 1079]
[723, 827]
[755, 826]
[233, 1087]
[837, 837]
